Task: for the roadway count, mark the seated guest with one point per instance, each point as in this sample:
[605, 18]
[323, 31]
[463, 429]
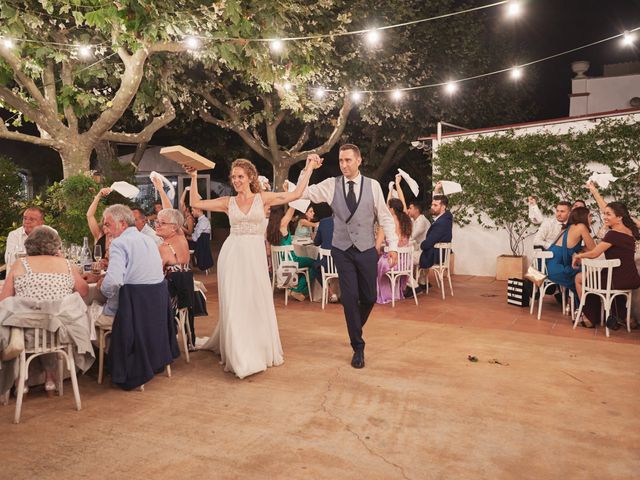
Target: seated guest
[619, 242]
[441, 230]
[278, 234]
[550, 228]
[99, 237]
[576, 233]
[157, 206]
[306, 224]
[31, 218]
[403, 232]
[203, 226]
[44, 275]
[134, 259]
[174, 250]
[323, 239]
[142, 225]
[189, 222]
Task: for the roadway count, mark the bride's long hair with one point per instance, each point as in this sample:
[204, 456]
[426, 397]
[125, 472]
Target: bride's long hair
[250, 169]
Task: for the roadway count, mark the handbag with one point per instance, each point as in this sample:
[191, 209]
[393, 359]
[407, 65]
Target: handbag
[535, 276]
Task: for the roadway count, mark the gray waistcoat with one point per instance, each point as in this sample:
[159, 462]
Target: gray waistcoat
[356, 229]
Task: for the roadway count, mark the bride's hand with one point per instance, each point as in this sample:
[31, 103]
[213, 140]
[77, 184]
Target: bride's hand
[191, 171]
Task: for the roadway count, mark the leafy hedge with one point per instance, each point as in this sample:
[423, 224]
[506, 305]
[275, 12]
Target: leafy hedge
[499, 172]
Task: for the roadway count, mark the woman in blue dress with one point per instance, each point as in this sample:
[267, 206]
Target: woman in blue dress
[570, 242]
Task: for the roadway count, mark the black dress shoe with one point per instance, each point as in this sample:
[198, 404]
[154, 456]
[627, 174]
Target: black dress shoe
[408, 293]
[358, 359]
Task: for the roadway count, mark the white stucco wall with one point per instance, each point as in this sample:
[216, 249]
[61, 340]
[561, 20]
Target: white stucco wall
[605, 94]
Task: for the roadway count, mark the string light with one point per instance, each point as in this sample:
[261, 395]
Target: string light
[84, 51]
[373, 37]
[627, 38]
[276, 46]
[516, 73]
[514, 9]
[396, 94]
[7, 43]
[192, 42]
[320, 93]
[451, 87]
[287, 86]
[356, 95]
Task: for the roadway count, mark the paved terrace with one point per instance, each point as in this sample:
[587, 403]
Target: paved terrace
[543, 401]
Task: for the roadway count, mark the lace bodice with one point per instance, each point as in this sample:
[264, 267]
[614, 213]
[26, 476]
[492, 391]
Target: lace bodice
[250, 224]
[43, 286]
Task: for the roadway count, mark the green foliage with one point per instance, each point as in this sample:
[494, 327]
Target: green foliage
[499, 172]
[10, 192]
[67, 204]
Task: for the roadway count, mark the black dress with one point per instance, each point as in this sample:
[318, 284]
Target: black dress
[625, 277]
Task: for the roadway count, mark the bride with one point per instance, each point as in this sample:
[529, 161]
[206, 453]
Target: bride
[246, 337]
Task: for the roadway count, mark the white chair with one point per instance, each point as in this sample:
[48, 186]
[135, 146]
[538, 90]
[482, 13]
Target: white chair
[539, 262]
[403, 268]
[44, 343]
[328, 273]
[282, 254]
[594, 284]
[184, 328]
[103, 332]
[441, 268]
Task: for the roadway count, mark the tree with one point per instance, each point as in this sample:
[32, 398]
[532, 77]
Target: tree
[10, 191]
[75, 103]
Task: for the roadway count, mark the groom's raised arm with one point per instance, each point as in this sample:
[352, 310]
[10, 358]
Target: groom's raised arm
[320, 192]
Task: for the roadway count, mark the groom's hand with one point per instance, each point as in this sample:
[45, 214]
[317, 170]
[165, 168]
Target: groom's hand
[392, 258]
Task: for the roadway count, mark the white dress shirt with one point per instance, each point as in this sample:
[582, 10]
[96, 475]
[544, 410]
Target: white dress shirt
[419, 227]
[324, 191]
[15, 243]
[548, 233]
[150, 232]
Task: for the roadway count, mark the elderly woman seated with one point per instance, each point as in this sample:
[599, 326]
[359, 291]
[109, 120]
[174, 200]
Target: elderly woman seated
[174, 249]
[44, 275]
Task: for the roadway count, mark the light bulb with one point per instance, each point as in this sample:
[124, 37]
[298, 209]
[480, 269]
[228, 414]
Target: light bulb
[514, 9]
[373, 37]
[450, 87]
[7, 43]
[84, 51]
[356, 96]
[627, 39]
[396, 94]
[276, 46]
[287, 86]
[192, 42]
[320, 93]
[516, 73]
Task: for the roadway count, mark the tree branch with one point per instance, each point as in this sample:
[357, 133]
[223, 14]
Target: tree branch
[23, 137]
[304, 137]
[147, 132]
[335, 135]
[49, 85]
[67, 80]
[393, 153]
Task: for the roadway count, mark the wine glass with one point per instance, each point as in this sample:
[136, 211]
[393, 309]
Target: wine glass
[97, 253]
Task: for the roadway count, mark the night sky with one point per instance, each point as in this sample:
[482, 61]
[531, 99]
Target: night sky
[552, 26]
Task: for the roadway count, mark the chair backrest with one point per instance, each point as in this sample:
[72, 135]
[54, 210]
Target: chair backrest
[43, 341]
[328, 266]
[592, 273]
[405, 260]
[539, 259]
[280, 254]
[444, 249]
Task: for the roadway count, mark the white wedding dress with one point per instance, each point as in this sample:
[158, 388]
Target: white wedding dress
[246, 337]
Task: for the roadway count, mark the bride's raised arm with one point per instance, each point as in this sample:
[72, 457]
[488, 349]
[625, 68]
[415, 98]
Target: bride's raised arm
[280, 198]
[216, 205]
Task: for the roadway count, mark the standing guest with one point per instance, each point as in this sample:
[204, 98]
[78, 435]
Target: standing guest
[189, 222]
[550, 228]
[278, 234]
[31, 218]
[134, 258]
[203, 225]
[44, 275]
[246, 336]
[403, 232]
[440, 231]
[356, 202]
[99, 237]
[143, 227]
[619, 242]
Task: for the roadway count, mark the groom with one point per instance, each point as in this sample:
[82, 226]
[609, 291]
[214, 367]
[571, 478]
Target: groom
[356, 202]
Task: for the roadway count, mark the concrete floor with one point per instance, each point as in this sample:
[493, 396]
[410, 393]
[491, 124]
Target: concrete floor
[543, 401]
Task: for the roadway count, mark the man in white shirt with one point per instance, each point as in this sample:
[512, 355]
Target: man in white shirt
[203, 224]
[419, 227]
[31, 218]
[356, 201]
[550, 228]
[143, 227]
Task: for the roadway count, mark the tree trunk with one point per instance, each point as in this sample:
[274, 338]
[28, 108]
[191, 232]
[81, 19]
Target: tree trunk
[106, 155]
[75, 158]
[280, 174]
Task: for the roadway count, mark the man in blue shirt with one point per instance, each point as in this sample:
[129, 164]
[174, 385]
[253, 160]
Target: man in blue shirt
[203, 224]
[134, 258]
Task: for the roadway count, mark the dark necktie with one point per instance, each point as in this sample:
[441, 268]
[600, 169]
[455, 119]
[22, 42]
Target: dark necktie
[351, 197]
